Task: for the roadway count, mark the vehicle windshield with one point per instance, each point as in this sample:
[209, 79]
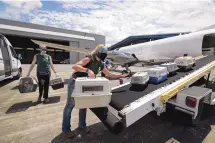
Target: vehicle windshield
[8, 43]
[11, 48]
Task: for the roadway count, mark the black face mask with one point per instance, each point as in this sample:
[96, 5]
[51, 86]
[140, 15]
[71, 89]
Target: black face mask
[102, 56]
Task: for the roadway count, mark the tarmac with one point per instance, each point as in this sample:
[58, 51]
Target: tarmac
[23, 120]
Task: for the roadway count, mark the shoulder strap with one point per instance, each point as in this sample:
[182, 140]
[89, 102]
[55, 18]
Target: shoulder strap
[91, 59]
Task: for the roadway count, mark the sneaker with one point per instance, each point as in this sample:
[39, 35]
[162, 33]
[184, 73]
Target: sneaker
[84, 130]
[69, 134]
[46, 100]
[39, 99]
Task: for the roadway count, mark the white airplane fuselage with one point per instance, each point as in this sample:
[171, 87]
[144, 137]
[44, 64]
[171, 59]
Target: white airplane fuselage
[169, 48]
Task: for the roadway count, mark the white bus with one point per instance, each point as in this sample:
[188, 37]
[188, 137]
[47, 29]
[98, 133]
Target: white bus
[10, 65]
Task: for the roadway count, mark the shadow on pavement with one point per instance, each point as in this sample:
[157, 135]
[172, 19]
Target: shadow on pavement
[5, 82]
[23, 106]
[15, 88]
[149, 129]
[53, 100]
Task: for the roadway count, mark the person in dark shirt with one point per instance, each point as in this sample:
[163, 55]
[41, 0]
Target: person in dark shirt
[44, 61]
[87, 67]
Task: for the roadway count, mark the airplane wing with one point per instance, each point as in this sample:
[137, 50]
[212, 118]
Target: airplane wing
[133, 60]
[116, 58]
[120, 58]
[62, 47]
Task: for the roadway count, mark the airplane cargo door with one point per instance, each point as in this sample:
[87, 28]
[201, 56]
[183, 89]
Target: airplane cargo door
[208, 45]
[6, 57]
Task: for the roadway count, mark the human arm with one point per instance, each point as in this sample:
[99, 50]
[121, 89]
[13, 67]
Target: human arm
[79, 67]
[51, 64]
[113, 75]
[32, 65]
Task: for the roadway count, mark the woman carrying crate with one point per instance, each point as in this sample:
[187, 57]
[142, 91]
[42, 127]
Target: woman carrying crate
[44, 61]
[87, 67]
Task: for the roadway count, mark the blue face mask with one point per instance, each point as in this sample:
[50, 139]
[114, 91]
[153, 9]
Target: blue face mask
[102, 56]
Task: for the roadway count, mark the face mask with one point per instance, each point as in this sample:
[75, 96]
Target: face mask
[103, 56]
[43, 52]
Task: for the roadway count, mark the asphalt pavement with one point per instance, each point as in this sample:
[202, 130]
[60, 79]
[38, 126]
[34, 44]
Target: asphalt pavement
[22, 120]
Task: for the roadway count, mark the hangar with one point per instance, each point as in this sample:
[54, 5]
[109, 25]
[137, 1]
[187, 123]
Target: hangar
[20, 34]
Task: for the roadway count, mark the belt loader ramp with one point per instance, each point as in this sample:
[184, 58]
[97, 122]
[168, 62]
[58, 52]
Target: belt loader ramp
[128, 105]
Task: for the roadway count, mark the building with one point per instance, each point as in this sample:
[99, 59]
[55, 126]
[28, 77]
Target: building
[131, 40]
[20, 34]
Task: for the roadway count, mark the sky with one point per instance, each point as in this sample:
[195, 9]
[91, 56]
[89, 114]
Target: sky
[115, 19]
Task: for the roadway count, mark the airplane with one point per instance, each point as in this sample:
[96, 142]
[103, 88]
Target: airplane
[166, 50]
[115, 57]
[153, 52]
